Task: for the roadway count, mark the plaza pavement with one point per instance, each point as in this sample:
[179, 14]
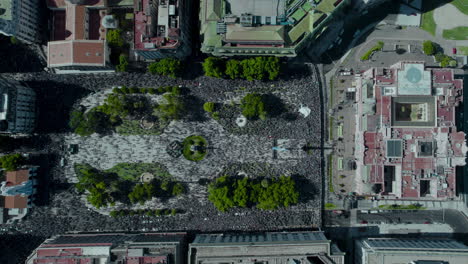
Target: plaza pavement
[104, 152]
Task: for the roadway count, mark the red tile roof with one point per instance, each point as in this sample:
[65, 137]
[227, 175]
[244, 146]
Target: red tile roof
[77, 52]
[17, 177]
[16, 201]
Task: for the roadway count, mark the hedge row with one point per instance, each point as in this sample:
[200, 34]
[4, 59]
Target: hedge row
[136, 90]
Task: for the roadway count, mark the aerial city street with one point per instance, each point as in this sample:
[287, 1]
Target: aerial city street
[228, 131]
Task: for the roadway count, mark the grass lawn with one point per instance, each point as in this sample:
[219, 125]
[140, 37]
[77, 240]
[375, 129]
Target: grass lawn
[463, 50]
[132, 127]
[330, 174]
[462, 5]
[194, 141]
[133, 171]
[427, 22]
[401, 207]
[375, 48]
[458, 33]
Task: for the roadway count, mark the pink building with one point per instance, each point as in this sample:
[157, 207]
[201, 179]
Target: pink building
[407, 142]
[77, 37]
[161, 29]
[112, 248]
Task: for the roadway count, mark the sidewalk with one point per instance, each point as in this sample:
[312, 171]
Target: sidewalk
[432, 205]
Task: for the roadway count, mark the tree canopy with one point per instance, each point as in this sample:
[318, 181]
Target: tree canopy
[233, 69]
[167, 67]
[11, 162]
[172, 109]
[85, 124]
[123, 63]
[257, 68]
[429, 47]
[114, 37]
[227, 192]
[213, 67]
[253, 106]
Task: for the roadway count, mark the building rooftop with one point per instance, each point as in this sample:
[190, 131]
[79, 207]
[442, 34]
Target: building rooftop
[112, 248]
[422, 244]
[5, 9]
[76, 52]
[254, 27]
[157, 24]
[72, 45]
[299, 237]
[407, 142]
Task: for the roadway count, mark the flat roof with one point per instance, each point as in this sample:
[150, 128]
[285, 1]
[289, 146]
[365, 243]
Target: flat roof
[5, 9]
[394, 148]
[267, 33]
[269, 238]
[414, 80]
[423, 244]
[257, 7]
[429, 103]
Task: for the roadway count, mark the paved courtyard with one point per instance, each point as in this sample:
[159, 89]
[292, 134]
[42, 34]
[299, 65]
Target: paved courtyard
[448, 17]
[223, 148]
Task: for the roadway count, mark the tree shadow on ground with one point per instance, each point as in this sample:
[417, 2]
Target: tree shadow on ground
[194, 109]
[274, 105]
[307, 190]
[293, 71]
[54, 103]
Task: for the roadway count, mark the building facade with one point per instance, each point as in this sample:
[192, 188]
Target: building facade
[78, 37]
[162, 29]
[417, 251]
[112, 248]
[21, 19]
[268, 27]
[18, 108]
[274, 247]
[17, 193]
[407, 144]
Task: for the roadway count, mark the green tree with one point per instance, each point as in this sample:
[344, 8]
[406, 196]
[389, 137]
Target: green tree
[11, 162]
[253, 106]
[141, 193]
[220, 193]
[114, 37]
[253, 69]
[178, 189]
[280, 193]
[272, 67]
[173, 212]
[117, 105]
[260, 68]
[429, 47]
[213, 67]
[172, 109]
[167, 67]
[14, 40]
[241, 192]
[85, 124]
[233, 69]
[123, 63]
[209, 107]
[114, 213]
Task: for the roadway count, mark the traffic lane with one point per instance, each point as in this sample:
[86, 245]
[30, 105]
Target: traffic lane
[400, 216]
